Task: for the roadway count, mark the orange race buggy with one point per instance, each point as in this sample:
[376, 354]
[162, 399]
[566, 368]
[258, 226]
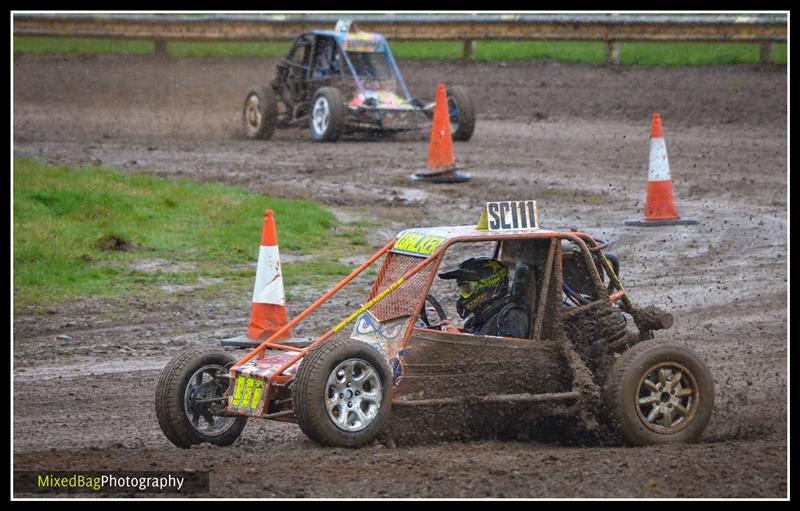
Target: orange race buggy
[582, 356]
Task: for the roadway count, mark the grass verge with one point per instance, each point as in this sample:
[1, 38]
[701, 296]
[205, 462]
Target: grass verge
[631, 53]
[93, 231]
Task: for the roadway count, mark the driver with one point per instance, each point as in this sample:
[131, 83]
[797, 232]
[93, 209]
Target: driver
[484, 299]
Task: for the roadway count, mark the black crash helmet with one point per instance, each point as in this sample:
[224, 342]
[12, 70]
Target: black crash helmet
[480, 280]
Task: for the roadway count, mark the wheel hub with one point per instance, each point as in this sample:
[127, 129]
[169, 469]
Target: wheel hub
[354, 394]
[253, 112]
[667, 398]
[321, 116]
[201, 403]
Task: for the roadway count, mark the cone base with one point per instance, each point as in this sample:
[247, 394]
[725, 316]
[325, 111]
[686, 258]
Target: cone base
[242, 341]
[655, 223]
[447, 176]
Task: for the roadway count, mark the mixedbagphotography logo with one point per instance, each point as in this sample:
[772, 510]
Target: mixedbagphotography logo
[53, 482]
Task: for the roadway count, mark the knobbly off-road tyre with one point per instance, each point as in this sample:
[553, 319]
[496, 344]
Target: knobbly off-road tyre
[171, 399]
[321, 387]
[460, 104]
[260, 113]
[328, 115]
[643, 378]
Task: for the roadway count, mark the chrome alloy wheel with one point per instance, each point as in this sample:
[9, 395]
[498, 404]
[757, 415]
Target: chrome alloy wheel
[320, 116]
[353, 395]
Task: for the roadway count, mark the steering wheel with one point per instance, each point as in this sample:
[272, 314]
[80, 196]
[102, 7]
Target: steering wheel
[434, 303]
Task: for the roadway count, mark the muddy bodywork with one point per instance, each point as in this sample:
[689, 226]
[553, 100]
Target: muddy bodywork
[557, 371]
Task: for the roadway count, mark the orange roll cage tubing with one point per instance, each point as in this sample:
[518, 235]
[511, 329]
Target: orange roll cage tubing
[311, 308]
[579, 238]
[437, 257]
[402, 280]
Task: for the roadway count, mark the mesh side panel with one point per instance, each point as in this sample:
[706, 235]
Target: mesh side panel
[402, 300]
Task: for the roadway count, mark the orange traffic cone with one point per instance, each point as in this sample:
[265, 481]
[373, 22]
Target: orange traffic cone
[441, 159]
[660, 206]
[268, 310]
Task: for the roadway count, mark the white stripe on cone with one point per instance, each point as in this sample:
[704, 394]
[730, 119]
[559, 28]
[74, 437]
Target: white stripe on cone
[269, 281]
[659, 164]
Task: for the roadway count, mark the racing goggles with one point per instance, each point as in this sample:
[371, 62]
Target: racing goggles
[467, 288]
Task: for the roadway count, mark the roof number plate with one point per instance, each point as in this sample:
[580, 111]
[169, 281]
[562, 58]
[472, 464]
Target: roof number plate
[509, 216]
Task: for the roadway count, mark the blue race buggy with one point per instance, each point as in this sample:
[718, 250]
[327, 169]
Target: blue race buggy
[345, 81]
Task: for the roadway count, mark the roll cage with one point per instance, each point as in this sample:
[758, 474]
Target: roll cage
[322, 58]
[422, 251]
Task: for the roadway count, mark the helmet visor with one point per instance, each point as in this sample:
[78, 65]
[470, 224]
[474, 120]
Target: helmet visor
[466, 288]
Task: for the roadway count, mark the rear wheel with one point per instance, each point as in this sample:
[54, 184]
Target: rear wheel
[328, 113]
[190, 399]
[462, 113]
[260, 113]
[341, 394]
[659, 393]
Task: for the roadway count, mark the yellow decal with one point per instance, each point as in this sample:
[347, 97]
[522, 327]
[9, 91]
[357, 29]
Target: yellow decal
[257, 394]
[417, 243]
[362, 42]
[509, 216]
[248, 391]
[237, 393]
[247, 387]
[368, 305]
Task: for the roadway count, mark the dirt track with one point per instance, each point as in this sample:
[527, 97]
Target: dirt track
[573, 137]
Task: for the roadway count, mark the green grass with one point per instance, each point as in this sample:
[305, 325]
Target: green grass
[63, 217]
[229, 49]
[780, 53]
[498, 51]
[566, 51]
[72, 46]
[669, 54]
[90, 46]
[440, 50]
[692, 54]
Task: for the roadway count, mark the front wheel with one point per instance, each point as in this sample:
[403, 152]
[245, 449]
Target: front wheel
[328, 113]
[260, 113]
[190, 399]
[659, 393]
[342, 393]
[462, 113]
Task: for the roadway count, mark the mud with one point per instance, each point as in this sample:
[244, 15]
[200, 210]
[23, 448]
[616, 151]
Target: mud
[573, 137]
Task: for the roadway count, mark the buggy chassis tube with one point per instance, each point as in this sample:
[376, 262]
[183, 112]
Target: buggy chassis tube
[494, 398]
[303, 351]
[359, 83]
[386, 292]
[297, 319]
[593, 305]
[611, 273]
[613, 276]
[606, 264]
[397, 72]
